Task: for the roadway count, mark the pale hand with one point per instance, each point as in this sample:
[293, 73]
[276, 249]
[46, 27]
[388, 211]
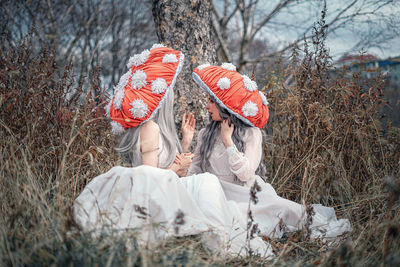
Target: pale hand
[178, 159]
[226, 132]
[187, 129]
[185, 161]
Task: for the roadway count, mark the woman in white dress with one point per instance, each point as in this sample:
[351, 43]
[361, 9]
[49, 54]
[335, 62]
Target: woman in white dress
[151, 192]
[231, 148]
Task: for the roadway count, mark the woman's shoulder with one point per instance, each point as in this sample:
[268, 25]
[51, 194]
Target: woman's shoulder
[149, 128]
[253, 132]
[150, 125]
[149, 136]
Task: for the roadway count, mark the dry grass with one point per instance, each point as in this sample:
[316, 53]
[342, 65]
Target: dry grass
[326, 146]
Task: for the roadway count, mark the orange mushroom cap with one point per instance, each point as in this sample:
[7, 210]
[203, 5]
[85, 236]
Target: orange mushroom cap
[143, 89]
[235, 92]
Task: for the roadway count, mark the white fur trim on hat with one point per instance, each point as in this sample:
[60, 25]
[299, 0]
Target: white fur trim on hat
[117, 128]
[263, 98]
[118, 97]
[203, 66]
[157, 46]
[119, 89]
[138, 79]
[138, 59]
[224, 83]
[228, 66]
[169, 58]
[123, 81]
[139, 108]
[250, 109]
[159, 86]
[249, 84]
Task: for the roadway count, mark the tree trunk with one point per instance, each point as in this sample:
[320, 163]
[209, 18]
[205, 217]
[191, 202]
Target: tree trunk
[186, 26]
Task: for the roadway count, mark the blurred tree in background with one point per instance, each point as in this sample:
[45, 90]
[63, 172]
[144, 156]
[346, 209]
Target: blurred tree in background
[94, 33]
[106, 33]
[251, 31]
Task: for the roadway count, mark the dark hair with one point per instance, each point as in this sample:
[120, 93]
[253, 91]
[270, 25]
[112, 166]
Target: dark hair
[212, 131]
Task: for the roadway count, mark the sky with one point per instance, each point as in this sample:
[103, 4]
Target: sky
[341, 43]
[383, 23]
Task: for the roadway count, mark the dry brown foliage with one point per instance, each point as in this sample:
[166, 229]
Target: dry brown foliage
[50, 147]
[326, 146]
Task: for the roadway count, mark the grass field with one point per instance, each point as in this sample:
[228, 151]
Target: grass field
[325, 145]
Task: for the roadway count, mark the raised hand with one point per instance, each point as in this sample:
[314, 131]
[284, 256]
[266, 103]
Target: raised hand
[226, 132]
[187, 129]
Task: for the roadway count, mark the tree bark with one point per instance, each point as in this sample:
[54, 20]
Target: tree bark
[186, 26]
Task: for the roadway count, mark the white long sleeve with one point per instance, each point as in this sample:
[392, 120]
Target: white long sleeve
[226, 163]
[244, 165]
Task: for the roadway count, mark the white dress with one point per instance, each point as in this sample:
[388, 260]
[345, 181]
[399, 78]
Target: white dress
[271, 210]
[140, 197]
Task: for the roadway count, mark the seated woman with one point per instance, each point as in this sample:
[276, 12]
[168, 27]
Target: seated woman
[152, 192]
[231, 148]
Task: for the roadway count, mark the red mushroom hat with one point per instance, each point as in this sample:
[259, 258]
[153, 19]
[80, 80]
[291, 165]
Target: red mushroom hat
[235, 92]
[141, 91]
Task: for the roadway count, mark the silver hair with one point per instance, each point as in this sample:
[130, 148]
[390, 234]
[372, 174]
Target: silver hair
[211, 132]
[129, 147]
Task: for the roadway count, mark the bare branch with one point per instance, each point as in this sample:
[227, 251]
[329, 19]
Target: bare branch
[222, 42]
[269, 17]
[226, 19]
[339, 21]
[215, 11]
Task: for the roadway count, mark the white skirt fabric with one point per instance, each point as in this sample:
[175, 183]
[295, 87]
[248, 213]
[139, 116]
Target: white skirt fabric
[275, 215]
[140, 197]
